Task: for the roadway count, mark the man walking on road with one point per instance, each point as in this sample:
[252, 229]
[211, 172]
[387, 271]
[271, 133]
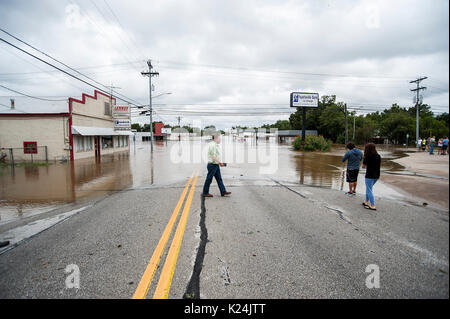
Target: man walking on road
[214, 164]
[353, 158]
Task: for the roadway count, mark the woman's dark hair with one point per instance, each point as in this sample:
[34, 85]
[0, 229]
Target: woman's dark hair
[350, 145]
[370, 149]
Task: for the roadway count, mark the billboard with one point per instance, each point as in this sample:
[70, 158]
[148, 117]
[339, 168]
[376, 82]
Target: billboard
[303, 99]
[122, 124]
[166, 130]
[121, 110]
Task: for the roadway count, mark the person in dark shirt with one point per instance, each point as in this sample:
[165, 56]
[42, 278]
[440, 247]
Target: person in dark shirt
[353, 158]
[372, 163]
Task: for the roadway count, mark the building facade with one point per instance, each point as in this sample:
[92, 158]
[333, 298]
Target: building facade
[94, 129]
[89, 128]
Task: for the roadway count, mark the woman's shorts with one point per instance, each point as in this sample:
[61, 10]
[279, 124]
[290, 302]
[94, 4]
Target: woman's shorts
[352, 175]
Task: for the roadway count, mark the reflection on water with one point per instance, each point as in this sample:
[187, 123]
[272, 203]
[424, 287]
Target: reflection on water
[328, 170]
[30, 190]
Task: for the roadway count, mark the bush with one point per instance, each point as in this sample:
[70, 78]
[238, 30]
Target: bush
[297, 143]
[312, 143]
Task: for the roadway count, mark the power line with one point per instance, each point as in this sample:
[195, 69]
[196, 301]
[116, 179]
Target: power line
[30, 96]
[279, 71]
[99, 28]
[59, 69]
[107, 21]
[38, 67]
[65, 72]
[54, 59]
[120, 24]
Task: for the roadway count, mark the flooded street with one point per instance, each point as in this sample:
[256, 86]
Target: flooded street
[30, 190]
[287, 221]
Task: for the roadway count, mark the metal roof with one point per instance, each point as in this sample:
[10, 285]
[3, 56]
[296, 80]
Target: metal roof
[97, 131]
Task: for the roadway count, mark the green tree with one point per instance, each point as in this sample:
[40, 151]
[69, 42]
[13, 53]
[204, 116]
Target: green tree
[188, 128]
[366, 128]
[443, 117]
[332, 122]
[396, 126]
[136, 126]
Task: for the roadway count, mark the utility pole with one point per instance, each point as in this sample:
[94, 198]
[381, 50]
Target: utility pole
[354, 126]
[346, 124]
[150, 74]
[179, 128]
[111, 87]
[303, 123]
[417, 90]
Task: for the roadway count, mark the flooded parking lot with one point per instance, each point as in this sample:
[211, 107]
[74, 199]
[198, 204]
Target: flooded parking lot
[30, 190]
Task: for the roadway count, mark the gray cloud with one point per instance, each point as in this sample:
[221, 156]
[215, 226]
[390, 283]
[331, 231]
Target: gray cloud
[384, 42]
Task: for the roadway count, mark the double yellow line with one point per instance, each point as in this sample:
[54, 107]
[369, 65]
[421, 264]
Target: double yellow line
[165, 280]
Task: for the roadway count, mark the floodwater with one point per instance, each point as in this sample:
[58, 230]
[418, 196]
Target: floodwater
[27, 191]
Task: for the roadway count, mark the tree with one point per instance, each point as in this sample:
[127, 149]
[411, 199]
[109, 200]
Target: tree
[366, 128]
[443, 117]
[424, 110]
[332, 122]
[136, 126]
[280, 125]
[397, 125]
[188, 129]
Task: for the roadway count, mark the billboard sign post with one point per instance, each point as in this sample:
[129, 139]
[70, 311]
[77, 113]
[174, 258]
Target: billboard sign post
[122, 117]
[304, 100]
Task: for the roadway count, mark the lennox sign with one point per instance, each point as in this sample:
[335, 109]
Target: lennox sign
[121, 110]
[302, 99]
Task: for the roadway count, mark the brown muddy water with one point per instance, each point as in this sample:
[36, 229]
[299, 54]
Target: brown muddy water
[30, 190]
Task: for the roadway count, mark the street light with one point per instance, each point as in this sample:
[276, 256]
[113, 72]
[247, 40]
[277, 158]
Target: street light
[154, 97]
[167, 93]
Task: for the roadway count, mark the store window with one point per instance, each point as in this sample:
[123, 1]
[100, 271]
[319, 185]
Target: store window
[80, 143]
[107, 142]
[88, 143]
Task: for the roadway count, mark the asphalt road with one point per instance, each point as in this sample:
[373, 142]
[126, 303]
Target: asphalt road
[269, 239]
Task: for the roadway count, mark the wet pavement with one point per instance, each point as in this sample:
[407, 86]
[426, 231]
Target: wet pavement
[287, 230]
[28, 191]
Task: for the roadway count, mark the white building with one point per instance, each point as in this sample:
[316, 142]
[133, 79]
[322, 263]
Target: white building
[86, 128]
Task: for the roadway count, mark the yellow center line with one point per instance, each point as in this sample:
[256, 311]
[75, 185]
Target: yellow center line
[165, 280]
[147, 277]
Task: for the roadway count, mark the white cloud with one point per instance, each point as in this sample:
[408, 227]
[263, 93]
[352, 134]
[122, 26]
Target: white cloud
[390, 41]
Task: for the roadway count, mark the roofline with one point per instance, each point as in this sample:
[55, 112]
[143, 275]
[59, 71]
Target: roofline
[34, 114]
[84, 95]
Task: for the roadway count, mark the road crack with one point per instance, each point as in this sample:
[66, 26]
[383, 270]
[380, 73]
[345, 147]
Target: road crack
[193, 287]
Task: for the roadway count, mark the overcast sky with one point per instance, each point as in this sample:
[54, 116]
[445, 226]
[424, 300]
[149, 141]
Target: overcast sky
[231, 56]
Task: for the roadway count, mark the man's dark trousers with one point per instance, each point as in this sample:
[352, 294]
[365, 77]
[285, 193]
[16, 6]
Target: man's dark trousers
[213, 171]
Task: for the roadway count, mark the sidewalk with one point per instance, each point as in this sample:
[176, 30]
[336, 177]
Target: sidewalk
[424, 163]
[429, 179]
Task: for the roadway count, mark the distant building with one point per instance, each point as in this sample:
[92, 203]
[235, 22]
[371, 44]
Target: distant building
[89, 127]
[157, 135]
